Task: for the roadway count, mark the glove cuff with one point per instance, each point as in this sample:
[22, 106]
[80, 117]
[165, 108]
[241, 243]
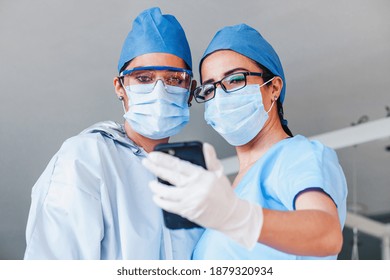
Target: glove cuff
[246, 222]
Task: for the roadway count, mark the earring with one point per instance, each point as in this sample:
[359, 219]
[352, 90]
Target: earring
[120, 98]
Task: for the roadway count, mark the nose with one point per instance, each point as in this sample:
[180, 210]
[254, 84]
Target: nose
[159, 84]
[218, 83]
[221, 86]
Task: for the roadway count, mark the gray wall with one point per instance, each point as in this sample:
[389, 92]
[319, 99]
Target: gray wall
[58, 59]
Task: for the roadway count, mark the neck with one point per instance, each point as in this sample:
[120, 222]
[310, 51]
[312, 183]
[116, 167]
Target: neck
[271, 134]
[146, 143]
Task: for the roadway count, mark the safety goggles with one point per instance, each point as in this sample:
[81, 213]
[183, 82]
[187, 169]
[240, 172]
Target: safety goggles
[146, 77]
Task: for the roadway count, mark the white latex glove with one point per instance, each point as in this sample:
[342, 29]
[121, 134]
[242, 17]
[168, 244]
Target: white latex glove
[205, 197]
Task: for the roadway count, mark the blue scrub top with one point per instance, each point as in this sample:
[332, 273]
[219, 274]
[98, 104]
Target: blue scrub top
[93, 202]
[291, 166]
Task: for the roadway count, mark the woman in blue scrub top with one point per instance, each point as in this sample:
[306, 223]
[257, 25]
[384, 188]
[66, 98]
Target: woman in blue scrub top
[93, 201]
[288, 200]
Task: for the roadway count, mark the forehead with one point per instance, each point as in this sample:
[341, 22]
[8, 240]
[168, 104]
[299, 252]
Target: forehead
[222, 61]
[157, 59]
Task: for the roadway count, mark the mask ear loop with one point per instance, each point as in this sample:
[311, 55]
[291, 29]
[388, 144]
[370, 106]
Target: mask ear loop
[275, 97]
[272, 105]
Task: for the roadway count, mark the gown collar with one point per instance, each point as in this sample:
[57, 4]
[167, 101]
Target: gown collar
[116, 132]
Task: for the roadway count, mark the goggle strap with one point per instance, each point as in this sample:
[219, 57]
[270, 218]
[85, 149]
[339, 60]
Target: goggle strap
[129, 71]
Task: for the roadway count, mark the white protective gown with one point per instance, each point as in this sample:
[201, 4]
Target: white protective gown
[93, 202]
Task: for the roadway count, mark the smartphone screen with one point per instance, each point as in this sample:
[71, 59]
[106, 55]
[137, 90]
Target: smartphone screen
[191, 151]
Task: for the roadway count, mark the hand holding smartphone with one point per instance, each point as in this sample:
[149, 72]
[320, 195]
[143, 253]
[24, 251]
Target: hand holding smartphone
[191, 151]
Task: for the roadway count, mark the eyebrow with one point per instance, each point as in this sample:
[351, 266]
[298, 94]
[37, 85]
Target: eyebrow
[227, 73]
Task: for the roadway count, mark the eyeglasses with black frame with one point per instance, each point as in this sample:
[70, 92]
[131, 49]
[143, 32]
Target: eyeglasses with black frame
[229, 84]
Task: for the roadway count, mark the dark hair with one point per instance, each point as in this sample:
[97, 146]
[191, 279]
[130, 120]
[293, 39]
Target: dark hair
[124, 66]
[268, 75]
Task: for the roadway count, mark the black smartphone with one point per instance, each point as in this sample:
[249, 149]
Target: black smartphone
[191, 151]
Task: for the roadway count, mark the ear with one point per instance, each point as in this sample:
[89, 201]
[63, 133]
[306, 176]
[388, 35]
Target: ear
[120, 92]
[277, 85]
[192, 88]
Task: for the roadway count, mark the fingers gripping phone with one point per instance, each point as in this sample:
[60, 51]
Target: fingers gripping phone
[191, 151]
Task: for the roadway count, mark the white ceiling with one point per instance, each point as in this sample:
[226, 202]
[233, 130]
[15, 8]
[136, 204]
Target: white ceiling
[58, 59]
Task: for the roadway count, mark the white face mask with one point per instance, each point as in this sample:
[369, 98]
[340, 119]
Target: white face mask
[158, 114]
[237, 116]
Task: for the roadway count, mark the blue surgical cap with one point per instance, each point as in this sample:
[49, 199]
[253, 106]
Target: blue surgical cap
[153, 32]
[247, 41]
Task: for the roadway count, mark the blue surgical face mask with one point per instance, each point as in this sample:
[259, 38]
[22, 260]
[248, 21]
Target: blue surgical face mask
[158, 114]
[237, 116]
